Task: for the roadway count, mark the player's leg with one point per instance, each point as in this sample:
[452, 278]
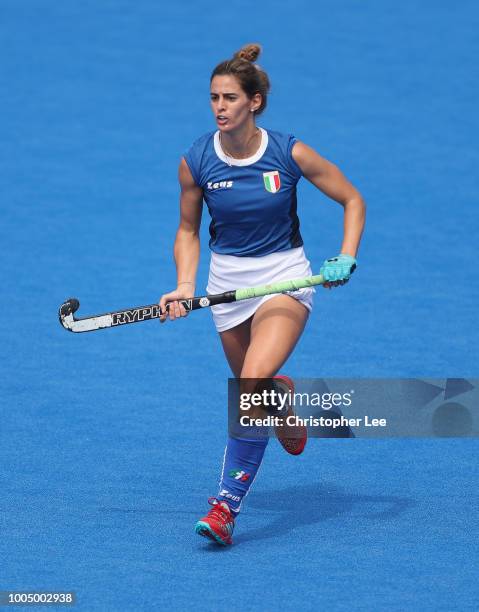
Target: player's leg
[235, 343]
[218, 523]
[276, 327]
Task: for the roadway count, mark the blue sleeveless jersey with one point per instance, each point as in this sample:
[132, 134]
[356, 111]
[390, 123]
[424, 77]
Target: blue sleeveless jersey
[252, 202]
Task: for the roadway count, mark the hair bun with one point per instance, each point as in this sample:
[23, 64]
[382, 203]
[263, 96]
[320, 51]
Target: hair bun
[249, 52]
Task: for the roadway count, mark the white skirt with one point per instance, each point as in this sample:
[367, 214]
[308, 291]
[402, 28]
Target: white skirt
[228, 272]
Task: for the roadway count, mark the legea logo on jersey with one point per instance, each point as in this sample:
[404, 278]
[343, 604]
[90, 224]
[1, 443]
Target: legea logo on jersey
[272, 181]
[219, 185]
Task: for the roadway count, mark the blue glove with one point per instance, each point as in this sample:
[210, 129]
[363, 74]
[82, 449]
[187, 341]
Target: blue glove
[338, 268]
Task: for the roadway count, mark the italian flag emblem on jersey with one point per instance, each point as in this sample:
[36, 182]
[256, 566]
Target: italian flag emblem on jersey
[271, 181]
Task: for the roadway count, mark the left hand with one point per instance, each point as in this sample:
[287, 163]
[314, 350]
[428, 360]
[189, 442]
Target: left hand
[337, 270]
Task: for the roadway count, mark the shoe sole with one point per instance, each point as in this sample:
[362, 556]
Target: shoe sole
[304, 439]
[203, 529]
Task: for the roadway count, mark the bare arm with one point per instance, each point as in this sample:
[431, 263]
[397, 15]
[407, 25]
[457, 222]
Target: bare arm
[331, 181]
[187, 243]
[186, 249]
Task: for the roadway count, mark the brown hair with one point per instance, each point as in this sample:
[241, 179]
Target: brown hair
[251, 77]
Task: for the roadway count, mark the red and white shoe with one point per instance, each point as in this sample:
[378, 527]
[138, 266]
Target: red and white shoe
[292, 438]
[218, 524]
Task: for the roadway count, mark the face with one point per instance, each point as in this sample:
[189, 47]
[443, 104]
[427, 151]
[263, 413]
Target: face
[229, 103]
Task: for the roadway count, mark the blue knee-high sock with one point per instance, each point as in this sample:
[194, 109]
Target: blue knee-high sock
[243, 457]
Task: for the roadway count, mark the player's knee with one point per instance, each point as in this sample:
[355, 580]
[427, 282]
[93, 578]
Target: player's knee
[258, 381]
[255, 371]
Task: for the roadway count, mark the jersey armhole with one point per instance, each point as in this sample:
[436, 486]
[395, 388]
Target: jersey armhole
[191, 166]
[296, 170]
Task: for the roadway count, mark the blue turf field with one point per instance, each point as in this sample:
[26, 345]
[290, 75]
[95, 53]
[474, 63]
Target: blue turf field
[111, 442]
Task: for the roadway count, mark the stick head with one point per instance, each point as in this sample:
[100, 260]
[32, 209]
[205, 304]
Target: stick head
[65, 314]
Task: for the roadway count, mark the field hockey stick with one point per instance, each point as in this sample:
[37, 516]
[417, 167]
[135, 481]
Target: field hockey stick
[152, 311]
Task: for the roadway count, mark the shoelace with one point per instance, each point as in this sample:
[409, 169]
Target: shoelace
[217, 511]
